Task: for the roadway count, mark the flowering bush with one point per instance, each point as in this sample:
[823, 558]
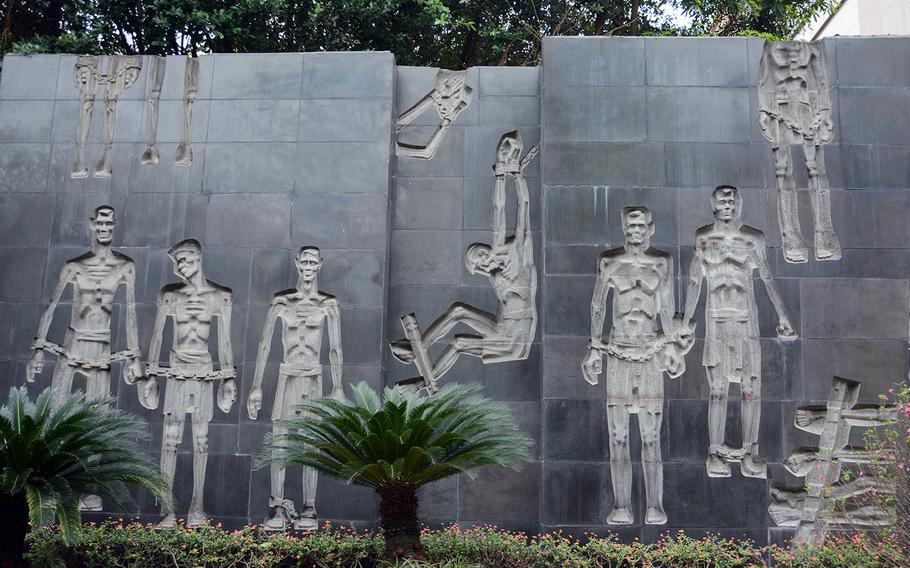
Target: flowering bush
[890, 467]
[134, 545]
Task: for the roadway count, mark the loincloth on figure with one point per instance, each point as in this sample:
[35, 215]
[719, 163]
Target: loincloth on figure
[190, 395]
[513, 342]
[731, 345]
[634, 375]
[296, 383]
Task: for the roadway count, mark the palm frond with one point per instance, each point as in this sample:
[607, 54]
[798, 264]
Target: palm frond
[402, 439]
[54, 455]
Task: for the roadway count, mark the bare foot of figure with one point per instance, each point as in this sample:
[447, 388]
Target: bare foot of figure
[621, 516]
[655, 516]
[196, 519]
[717, 467]
[754, 466]
[168, 522]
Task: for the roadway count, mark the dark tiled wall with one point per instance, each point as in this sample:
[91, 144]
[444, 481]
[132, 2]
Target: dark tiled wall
[296, 149]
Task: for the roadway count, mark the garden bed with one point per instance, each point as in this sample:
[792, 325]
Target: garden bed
[136, 545]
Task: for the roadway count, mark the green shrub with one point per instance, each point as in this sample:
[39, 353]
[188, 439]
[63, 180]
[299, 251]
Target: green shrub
[134, 545]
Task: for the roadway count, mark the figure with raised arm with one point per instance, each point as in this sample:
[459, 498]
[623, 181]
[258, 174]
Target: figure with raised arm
[86, 349]
[193, 306]
[727, 253]
[508, 264]
[641, 347]
[304, 312]
[450, 96]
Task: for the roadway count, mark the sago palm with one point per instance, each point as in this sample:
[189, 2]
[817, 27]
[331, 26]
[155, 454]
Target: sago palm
[50, 456]
[396, 445]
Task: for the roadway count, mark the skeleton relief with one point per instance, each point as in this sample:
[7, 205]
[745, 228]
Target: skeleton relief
[508, 264]
[795, 108]
[191, 305]
[450, 96]
[643, 344]
[156, 69]
[190, 88]
[812, 509]
[726, 255]
[123, 70]
[86, 349]
[303, 312]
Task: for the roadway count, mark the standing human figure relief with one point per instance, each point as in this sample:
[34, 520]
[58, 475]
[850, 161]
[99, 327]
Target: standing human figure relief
[86, 75]
[156, 69]
[643, 344]
[450, 96]
[86, 349]
[190, 89]
[727, 253]
[123, 70]
[303, 312]
[191, 305]
[508, 264]
[794, 107]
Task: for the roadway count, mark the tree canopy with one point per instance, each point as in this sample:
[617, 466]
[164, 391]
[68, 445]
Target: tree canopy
[455, 34]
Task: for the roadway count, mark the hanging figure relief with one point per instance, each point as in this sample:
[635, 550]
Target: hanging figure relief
[156, 69]
[303, 312]
[643, 345]
[123, 70]
[190, 89]
[193, 306]
[727, 253]
[86, 75]
[94, 278]
[794, 105]
[508, 264]
[450, 96]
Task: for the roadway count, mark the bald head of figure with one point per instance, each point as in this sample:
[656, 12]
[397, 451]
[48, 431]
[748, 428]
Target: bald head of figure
[637, 225]
[726, 203]
[102, 223]
[308, 262]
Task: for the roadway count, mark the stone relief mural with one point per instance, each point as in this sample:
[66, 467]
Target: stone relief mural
[304, 312]
[642, 346]
[122, 72]
[508, 264]
[156, 69]
[812, 509]
[192, 306]
[450, 96]
[726, 255]
[86, 349]
[190, 89]
[794, 108]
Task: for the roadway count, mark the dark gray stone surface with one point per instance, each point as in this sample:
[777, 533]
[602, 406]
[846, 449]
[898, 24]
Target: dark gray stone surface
[294, 149]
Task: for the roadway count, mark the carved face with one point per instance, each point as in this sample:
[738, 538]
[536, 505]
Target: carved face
[637, 226]
[186, 264]
[725, 202]
[102, 226]
[308, 264]
[479, 258]
[508, 152]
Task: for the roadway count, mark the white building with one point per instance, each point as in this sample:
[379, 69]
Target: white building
[862, 17]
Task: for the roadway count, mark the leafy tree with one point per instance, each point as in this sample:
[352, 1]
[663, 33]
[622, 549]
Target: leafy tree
[397, 445]
[447, 33]
[49, 457]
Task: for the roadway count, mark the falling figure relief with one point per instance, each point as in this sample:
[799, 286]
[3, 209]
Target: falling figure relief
[190, 88]
[643, 344]
[794, 107]
[508, 264]
[123, 70]
[450, 96]
[726, 255]
[191, 305]
[303, 312]
[156, 70]
[815, 506]
[95, 277]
